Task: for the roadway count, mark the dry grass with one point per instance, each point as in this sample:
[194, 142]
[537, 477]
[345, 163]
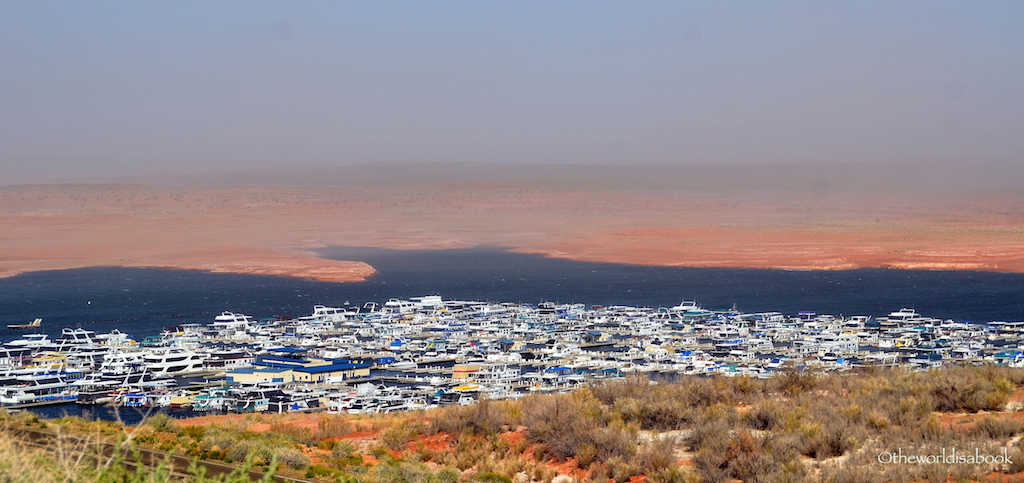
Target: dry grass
[802, 427]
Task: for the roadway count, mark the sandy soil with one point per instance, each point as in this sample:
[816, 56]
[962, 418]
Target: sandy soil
[273, 230]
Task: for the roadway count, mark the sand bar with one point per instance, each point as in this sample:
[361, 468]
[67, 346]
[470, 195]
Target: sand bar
[273, 230]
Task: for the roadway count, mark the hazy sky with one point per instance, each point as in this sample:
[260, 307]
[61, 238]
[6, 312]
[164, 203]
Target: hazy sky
[137, 87]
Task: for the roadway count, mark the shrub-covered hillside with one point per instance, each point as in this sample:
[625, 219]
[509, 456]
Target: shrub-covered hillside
[797, 427]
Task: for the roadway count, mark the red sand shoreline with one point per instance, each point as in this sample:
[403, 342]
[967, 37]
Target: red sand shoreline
[271, 231]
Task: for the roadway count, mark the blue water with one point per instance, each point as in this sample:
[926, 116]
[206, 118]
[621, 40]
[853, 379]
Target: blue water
[142, 301]
[128, 416]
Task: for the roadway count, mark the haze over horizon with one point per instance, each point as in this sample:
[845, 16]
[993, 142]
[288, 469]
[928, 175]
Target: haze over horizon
[124, 89]
[793, 180]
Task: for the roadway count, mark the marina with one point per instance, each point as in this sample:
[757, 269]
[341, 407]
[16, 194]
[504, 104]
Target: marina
[424, 352]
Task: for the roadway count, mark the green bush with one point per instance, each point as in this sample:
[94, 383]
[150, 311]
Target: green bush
[318, 471]
[160, 422]
[195, 431]
[492, 478]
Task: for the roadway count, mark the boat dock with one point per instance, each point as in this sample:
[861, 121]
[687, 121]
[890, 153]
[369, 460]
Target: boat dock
[432, 352]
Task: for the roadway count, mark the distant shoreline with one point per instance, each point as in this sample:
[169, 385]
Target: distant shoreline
[353, 271]
[274, 230]
[330, 271]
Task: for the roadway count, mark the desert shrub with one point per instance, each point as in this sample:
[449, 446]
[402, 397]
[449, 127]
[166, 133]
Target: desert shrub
[657, 454]
[669, 475]
[854, 413]
[850, 474]
[510, 464]
[344, 454]
[961, 389]
[160, 422]
[291, 456]
[1014, 375]
[708, 433]
[662, 413]
[473, 451]
[910, 411]
[710, 466]
[822, 441]
[407, 472]
[72, 461]
[586, 454]
[400, 433]
[444, 475]
[492, 478]
[219, 438]
[621, 469]
[702, 391]
[765, 415]
[1017, 456]
[564, 423]
[794, 383]
[996, 428]
[318, 471]
[244, 448]
[931, 430]
[610, 392]
[876, 421]
[749, 458]
[263, 450]
[598, 472]
[300, 434]
[195, 431]
[640, 400]
[483, 418]
[331, 426]
[674, 406]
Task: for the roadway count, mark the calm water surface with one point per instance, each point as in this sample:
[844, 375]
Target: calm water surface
[143, 301]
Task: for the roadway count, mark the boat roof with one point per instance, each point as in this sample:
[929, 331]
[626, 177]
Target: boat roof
[330, 368]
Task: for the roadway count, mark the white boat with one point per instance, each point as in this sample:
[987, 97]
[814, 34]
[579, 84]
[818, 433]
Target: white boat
[97, 392]
[686, 306]
[116, 338]
[226, 360]
[132, 399]
[231, 325]
[75, 336]
[35, 388]
[31, 340]
[249, 401]
[168, 361]
[11, 357]
[13, 395]
[123, 361]
[499, 374]
[329, 314]
[212, 400]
